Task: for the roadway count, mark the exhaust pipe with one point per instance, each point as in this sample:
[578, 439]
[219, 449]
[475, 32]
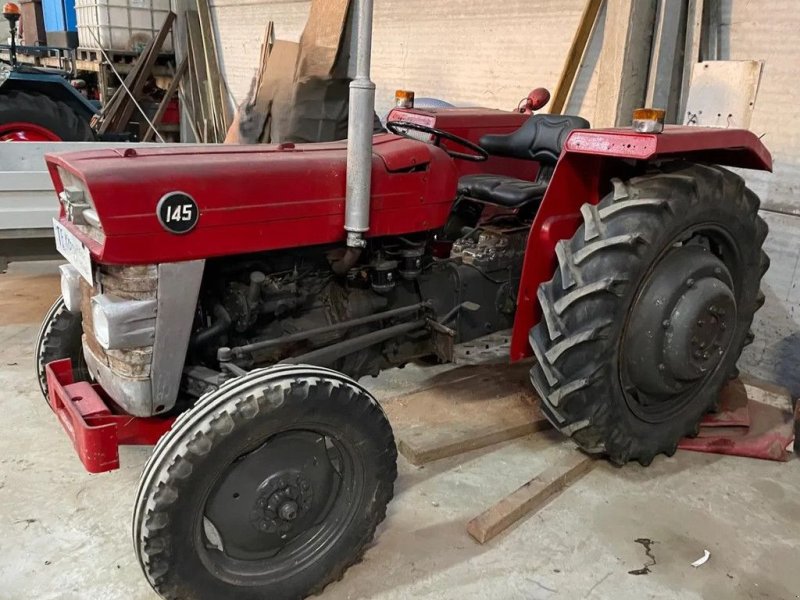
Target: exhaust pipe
[359, 130]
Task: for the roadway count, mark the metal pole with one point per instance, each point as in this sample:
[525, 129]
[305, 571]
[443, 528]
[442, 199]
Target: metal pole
[13, 50]
[359, 131]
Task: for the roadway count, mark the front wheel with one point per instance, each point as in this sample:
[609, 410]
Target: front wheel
[59, 337]
[269, 487]
[649, 310]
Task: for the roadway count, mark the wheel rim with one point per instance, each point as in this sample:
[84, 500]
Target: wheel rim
[278, 506]
[23, 131]
[680, 327]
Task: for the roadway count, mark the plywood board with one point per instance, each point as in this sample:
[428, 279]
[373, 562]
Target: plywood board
[275, 93]
[474, 408]
[723, 93]
[319, 44]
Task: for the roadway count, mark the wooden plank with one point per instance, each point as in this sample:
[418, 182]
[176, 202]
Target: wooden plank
[199, 82]
[579, 43]
[710, 35]
[162, 107]
[472, 408]
[421, 446]
[217, 88]
[122, 110]
[666, 62]
[266, 48]
[530, 497]
[126, 111]
[112, 107]
[624, 61]
[691, 50]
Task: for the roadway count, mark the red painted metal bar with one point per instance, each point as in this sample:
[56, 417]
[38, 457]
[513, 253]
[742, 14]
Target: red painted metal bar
[91, 422]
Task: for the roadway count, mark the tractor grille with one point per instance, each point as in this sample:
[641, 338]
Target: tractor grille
[129, 283]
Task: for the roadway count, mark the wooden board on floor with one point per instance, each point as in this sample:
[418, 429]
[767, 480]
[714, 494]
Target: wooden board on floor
[530, 497]
[468, 408]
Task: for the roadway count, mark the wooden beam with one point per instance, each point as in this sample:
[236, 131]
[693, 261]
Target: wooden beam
[579, 43]
[691, 51]
[530, 497]
[422, 445]
[624, 61]
[199, 79]
[666, 62]
[111, 108]
[120, 119]
[162, 107]
[217, 87]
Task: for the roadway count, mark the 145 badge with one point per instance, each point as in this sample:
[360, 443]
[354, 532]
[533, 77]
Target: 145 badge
[177, 212]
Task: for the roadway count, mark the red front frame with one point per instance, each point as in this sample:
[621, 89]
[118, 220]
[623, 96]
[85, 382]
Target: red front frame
[95, 428]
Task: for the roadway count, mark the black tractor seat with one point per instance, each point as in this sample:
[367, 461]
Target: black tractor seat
[540, 139]
[501, 189]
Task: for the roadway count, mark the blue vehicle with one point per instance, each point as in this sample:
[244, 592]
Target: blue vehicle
[39, 105]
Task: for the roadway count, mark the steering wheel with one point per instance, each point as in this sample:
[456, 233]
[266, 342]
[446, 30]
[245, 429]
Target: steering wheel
[478, 154]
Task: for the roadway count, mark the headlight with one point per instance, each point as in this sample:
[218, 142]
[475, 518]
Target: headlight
[71, 288]
[120, 323]
[100, 325]
[77, 200]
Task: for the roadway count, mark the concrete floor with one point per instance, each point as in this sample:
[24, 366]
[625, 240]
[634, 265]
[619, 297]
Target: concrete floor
[66, 534]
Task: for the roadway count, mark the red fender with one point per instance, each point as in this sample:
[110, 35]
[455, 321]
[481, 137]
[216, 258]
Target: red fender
[588, 162]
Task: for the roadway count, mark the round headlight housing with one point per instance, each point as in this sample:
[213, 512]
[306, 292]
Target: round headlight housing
[101, 325]
[71, 288]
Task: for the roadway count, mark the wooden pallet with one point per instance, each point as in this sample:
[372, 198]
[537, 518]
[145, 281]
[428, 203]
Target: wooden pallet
[121, 57]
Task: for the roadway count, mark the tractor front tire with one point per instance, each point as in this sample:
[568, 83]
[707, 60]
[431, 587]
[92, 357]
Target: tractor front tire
[44, 112]
[59, 337]
[649, 309]
[269, 487]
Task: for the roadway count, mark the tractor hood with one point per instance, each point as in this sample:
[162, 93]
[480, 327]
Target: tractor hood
[247, 198]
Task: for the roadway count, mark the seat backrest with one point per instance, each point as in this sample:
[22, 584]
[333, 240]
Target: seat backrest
[540, 138]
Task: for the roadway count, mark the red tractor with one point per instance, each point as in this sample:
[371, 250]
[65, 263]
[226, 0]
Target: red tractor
[246, 289]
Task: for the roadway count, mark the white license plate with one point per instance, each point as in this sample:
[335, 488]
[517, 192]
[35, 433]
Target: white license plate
[73, 250]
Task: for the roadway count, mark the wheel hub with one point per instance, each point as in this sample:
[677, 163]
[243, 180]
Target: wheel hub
[285, 497]
[700, 329]
[680, 327]
[272, 495]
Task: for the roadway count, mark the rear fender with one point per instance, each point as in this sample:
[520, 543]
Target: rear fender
[590, 159]
[52, 86]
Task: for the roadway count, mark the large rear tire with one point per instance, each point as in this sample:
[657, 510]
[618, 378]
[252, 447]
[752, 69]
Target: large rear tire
[43, 116]
[649, 310]
[269, 487]
[59, 337]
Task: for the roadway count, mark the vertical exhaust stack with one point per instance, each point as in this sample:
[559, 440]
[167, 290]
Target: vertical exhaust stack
[359, 130]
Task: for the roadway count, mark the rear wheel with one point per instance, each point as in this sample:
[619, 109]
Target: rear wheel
[59, 337]
[34, 117]
[269, 487]
[649, 310]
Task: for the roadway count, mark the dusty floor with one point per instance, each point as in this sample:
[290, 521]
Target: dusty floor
[65, 534]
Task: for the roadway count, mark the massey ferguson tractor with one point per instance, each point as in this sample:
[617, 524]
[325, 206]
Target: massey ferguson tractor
[224, 301]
